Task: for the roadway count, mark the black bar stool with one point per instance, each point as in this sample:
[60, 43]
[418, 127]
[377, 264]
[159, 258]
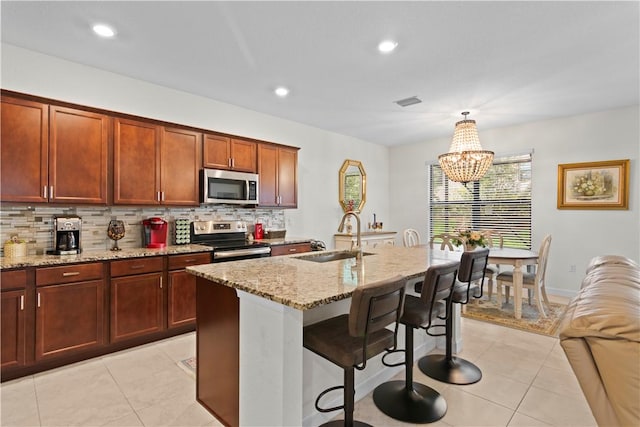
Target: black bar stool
[448, 368]
[350, 339]
[406, 400]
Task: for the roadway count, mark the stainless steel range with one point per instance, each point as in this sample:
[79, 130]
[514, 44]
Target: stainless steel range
[228, 240]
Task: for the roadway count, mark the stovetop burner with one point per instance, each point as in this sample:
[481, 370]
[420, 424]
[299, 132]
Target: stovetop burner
[228, 238]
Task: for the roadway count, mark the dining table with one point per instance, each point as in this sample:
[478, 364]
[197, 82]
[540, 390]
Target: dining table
[516, 258]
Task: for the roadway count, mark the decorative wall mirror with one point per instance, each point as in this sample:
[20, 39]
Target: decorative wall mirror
[352, 182]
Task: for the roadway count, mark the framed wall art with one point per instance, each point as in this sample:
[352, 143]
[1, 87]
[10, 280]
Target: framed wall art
[594, 185]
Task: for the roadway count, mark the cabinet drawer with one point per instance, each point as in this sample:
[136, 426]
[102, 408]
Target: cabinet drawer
[295, 248]
[136, 266]
[177, 262]
[68, 273]
[15, 279]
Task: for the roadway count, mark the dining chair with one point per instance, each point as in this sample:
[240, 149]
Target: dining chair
[411, 237]
[445, 240]
[494, 240]
[533, 282]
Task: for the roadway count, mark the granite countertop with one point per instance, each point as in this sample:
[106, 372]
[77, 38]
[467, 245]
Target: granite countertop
[285, 241]
[302, 284]
[106, 255]
[88, 256]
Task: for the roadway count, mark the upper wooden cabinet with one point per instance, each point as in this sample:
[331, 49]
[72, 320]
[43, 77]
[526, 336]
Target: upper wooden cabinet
[221, 152]
[179, 167]
[24, 146]
[278, 169]
[78, 154]
[53, 154]
[155, 165]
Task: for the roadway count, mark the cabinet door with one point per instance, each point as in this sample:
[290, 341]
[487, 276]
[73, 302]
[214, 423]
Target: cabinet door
[78, 149]
[182, 299]
[24, 146]
[216, 152]
[179, 166]
[287, 178]
[136, 163]
[12, 328]
[136, 306]
[243, 155]
[69, 318]
[268, 172]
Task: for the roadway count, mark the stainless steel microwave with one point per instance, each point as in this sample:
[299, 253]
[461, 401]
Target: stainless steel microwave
[220, 186]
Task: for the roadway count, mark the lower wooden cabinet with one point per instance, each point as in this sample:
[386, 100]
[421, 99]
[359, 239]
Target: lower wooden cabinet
[12, 329]
[292, 248]
[136, 306]
[53, 316]
[69, 318]
[181, 292]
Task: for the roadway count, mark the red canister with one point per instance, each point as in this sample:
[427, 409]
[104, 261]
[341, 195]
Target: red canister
[258, 232]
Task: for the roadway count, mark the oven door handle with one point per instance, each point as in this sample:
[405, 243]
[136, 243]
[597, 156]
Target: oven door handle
[241, 252]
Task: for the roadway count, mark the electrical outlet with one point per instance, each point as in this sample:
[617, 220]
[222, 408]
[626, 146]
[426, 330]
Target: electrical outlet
[572, 269]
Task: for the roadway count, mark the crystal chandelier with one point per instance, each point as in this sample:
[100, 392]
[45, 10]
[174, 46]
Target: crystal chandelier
[466, 161]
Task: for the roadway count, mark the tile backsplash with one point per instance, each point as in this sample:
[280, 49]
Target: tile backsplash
[35, 223]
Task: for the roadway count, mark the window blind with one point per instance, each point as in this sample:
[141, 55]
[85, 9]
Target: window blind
[500, 201]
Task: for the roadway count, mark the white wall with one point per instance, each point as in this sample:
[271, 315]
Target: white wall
[320, 156]
[578, 235]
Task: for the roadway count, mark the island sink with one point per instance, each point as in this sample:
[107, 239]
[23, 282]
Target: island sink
[334, 256]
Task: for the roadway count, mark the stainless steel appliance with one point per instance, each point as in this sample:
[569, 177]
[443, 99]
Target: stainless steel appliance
[220, 186]
[67, 232]
[228, 240]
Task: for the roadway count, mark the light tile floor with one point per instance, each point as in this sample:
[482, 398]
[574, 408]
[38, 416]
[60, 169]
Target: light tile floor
[526, 381]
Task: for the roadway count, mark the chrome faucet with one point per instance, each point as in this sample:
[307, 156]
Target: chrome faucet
[358, 239]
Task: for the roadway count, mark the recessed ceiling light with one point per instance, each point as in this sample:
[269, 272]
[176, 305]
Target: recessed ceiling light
[281, 91]
[104, 30]
[387, 46]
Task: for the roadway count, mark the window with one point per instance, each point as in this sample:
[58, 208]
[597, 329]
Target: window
[500, 201]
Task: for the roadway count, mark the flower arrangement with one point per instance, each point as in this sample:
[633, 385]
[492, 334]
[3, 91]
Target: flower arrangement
[589, 184]
[469, 238]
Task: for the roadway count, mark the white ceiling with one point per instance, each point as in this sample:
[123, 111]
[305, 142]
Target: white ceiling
[506, 62]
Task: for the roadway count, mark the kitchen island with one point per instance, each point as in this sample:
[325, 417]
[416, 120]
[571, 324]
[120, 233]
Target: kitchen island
[252, 368]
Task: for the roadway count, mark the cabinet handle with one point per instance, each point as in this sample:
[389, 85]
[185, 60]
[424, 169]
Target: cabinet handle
[293, 250]
[44, 192]
[189, 260]
[21, 302]
[233, 162]
[51, 191]
[137, 267]
[160, 282]
[38, 299]
[70, 273]
[157, 195]
[229, 162]
[162, 192]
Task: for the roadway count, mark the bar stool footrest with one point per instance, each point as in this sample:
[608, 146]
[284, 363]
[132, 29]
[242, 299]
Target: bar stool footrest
[340, 423]
[421, 404]
[455, 371]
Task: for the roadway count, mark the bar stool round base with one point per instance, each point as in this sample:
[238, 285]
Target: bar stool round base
[455, 371]
[420, 405]
[340, 423]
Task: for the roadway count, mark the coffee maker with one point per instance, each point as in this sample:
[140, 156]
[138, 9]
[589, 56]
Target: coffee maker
[155, 232]
[66, 235]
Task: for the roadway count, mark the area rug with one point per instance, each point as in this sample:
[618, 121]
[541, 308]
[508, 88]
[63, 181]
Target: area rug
[189, 366]
[488, 311]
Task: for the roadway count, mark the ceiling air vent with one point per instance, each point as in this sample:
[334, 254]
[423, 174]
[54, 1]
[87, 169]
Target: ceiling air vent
[408, 101]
